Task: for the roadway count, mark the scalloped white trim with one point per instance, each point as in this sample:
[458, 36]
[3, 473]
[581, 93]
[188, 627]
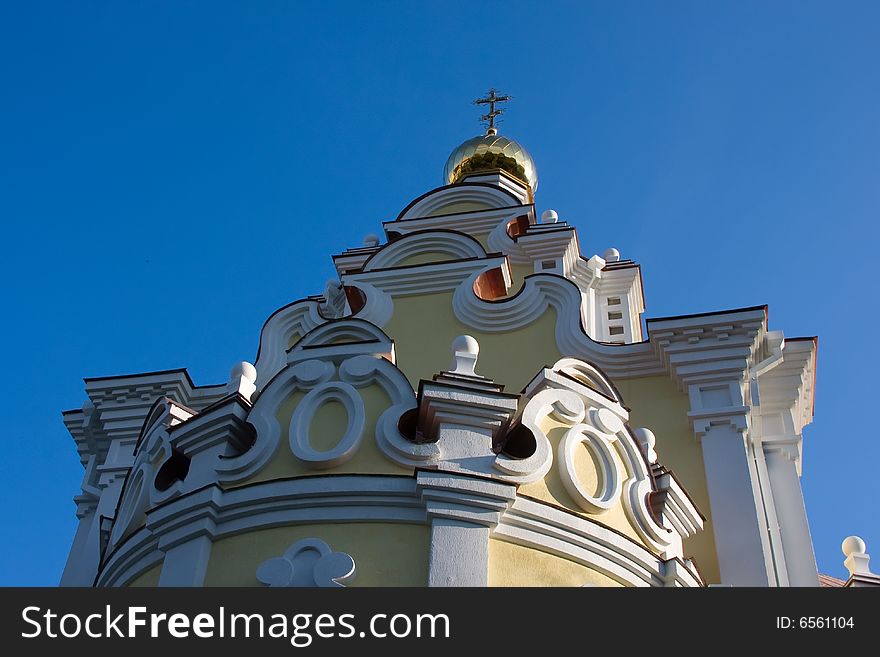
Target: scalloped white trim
[297, 319]
[455, 245]
[436, 200]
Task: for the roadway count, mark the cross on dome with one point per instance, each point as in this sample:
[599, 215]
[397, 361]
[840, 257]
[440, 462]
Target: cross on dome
[491, 98]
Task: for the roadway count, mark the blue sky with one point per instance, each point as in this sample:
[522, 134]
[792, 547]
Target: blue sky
[172, 172]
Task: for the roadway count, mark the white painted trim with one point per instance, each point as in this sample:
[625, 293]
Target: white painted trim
[609, 472]
[535, 525]
[296, 319]
[216, 513]
[453, 245]
[330, 570]
[299, 435]
[586, 411]
[436, 200]
[302, 376]
[476, 222]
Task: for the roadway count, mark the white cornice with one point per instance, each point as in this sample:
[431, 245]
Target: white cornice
[711, 347]
[218, 513]
[789, 387]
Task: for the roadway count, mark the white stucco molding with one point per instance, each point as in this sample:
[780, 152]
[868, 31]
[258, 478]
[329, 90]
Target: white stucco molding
[502, 179]
[465, 498]
[295, 319]
[118, 405]
[328, 373]
[581, 397]
[582, 540]
[302, 376]
[339, 339]
[450, 244]
[179, 451]
[550, 248]
[298, 567]
[539, 293]
[858, 562]
[477, 223]
[299, 435]
[482, 193]
[353, 259]
[751, 393]
[785, 393]
[601, 445]
[153, 452]
[423, 279]
[216, 513]
[461, 508]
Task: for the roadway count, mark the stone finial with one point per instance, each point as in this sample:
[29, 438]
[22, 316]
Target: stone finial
[612, 255]
[464, 355]
[647, 441]
[242, 379]
[857, 557]
[371, 240]
[549, 217]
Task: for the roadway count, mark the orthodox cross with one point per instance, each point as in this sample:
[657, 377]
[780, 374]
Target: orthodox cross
[490, 100]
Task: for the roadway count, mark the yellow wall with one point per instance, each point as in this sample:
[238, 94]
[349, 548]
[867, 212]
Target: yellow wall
[424, 327]
[385, 554]
[294, 338]
[515, 565]
[461, 206]
[656, 403]
[425, 258]
[147, 578]
[517, 277]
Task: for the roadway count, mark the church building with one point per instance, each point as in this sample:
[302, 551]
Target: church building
[472, 401]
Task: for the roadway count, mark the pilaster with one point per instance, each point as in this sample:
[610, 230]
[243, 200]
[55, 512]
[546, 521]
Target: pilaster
[462, 511]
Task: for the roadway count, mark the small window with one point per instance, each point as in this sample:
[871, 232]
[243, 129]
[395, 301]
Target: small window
[548, 264]
[613, 301]
[615, 315]
[615, 330]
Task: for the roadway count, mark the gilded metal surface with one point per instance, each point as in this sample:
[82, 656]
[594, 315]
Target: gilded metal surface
[488, 152]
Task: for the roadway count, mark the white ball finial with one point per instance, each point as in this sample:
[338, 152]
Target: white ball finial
[612, 255]
[244, 370]
[549, 217]
[857, 560]
[465, 350]
[242, 380]
[853, 545]
[647, 440]
[371, 239]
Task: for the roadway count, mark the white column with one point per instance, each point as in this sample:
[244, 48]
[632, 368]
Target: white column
[82, 562]
[736, 523]
[781, 455]
[462, 511]
[84, 559]
[459, 553]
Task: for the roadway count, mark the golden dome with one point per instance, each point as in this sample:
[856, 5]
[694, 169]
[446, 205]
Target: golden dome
[491, 152]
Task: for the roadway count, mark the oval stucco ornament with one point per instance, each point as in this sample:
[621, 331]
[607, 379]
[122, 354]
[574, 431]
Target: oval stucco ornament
[304, 415]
